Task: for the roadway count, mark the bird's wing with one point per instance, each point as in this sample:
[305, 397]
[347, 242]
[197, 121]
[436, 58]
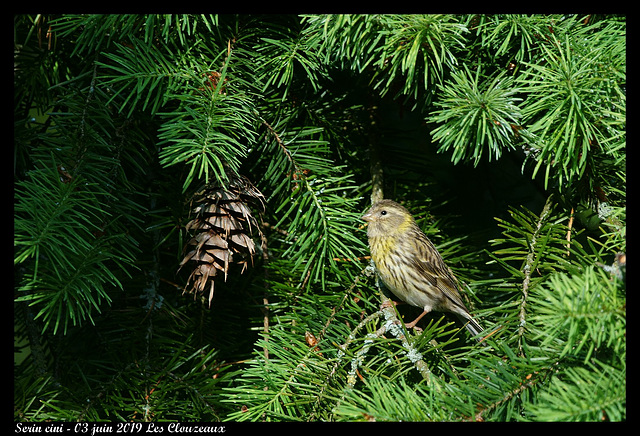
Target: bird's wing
[427, 261]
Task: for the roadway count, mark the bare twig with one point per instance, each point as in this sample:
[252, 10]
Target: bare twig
[569, 232]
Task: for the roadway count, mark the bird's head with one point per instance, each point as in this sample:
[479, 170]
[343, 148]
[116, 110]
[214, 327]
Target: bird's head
[387, 218]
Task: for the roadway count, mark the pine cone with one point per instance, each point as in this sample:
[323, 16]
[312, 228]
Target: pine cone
[222, 229]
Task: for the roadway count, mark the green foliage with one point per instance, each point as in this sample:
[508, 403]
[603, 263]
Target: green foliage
[313, 198]
[475, 118]
[569, 98]
[415, 50]
[571, 397]
[349, 40]
[418, 48]
[581, 314]
[526, 237]
[209, 133]
[391, 401]
[288, 54]
[471, 121]
[72, 213]
[516, 35]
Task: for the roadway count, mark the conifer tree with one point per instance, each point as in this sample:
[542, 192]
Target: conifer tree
[188, 192]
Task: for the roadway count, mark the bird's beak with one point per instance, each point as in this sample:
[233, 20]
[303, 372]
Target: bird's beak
[366, 217]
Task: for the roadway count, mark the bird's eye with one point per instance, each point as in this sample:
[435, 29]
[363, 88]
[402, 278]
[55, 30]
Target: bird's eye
[384, 212]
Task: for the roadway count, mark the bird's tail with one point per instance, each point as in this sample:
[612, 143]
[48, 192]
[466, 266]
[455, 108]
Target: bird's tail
[472, 325]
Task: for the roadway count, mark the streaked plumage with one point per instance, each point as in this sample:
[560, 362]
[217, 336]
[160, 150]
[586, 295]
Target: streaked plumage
[409, 264]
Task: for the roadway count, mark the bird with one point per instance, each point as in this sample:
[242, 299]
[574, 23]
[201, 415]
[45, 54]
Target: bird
[410, 266]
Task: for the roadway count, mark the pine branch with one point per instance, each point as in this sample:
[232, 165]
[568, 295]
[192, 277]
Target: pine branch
[70, 219]
[288, 54]
[527, 269]
[309, 198]
[517, 35]
[351, 41]
[504, 390]
[477, 116]
[212, 129]
[563, 108]
[580, 315]
[596, 392]
[392, 401]
[538, 242]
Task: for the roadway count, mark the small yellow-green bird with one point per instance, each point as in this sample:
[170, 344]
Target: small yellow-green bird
[410, 266]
